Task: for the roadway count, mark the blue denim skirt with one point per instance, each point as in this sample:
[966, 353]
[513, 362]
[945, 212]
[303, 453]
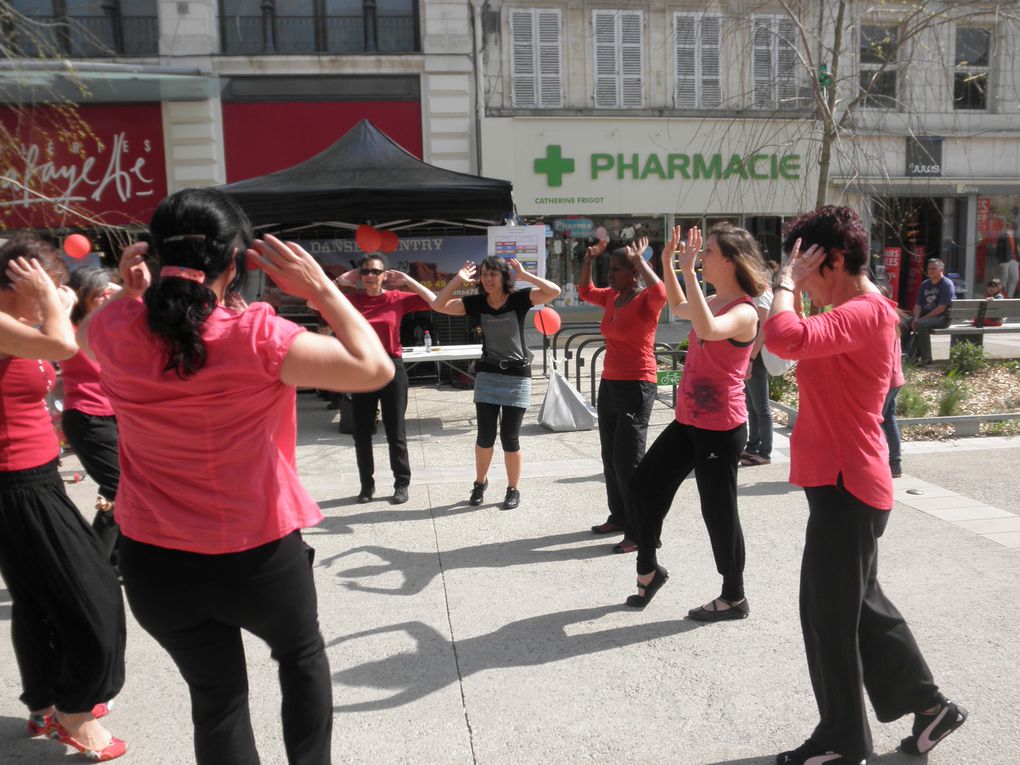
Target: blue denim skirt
[502, 390]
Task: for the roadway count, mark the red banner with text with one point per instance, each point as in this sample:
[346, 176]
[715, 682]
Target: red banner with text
[79, 167]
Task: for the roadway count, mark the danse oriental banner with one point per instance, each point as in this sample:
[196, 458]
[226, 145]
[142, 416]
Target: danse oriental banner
[80, 166]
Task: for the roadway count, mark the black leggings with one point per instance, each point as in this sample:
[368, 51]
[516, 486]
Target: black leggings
[509, 426]
[713, 456]
[94, 439]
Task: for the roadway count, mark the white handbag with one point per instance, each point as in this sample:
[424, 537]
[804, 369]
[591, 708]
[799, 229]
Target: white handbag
[564, 409]
[775, 365]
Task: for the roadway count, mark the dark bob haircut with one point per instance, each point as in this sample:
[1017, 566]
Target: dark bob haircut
[832, 228]
[496, 263]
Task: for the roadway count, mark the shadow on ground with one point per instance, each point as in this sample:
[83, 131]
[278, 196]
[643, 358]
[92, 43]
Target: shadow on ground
[534, 641]
[419, 568]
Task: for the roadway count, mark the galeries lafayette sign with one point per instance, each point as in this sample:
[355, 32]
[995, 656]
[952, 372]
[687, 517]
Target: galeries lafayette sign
[80, 167]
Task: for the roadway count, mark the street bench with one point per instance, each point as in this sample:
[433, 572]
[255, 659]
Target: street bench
[969, 320]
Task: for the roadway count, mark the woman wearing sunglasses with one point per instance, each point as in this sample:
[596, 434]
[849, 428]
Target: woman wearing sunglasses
[384, 309]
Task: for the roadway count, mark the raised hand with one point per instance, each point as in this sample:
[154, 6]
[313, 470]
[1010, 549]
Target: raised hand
[134, 273]
[29, 279]
[801, 264]
[293, 269]
[467, 272]
[516, 269]
[666, 256]
[689, 250]
[596, 249]
[393, 279]
[636, 249]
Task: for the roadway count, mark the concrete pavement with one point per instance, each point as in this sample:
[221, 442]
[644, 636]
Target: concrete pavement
[478, 635]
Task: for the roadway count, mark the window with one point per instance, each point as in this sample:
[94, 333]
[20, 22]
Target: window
[251, 27]
[84, 28]
[536, 58]
[878, 65]
[697, 84]
[619, 59]
[970, 77]
[775, 62]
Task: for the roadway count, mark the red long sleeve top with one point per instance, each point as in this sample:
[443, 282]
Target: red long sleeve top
[843, 373]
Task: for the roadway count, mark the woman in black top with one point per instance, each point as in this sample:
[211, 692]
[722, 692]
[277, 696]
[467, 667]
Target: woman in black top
[503, 377]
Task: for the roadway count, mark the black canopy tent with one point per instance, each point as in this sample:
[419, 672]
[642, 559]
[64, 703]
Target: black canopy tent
[366, 177]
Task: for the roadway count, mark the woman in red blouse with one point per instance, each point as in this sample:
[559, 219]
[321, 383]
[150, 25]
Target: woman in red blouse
[629, 374]
[384, 309]
[853, 634]
[67, 618]
[710, 427]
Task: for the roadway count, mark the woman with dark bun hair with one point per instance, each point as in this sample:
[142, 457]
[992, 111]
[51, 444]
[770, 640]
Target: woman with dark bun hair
[853, 634]
[209, 504]
[67, 613]
[87, 418]
[384, 309]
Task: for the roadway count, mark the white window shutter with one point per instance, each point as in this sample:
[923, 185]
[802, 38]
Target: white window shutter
[550, 77]
[685, 86]
[787, 63]
[607, 79]
[522, 59]
[632, 59]
[710, 41]
[762, 48]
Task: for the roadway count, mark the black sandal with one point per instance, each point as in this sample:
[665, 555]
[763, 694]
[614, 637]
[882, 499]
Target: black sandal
[739, 610]
[659, 579]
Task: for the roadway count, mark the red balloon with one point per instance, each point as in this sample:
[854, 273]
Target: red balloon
[77, 246]
[547, 321]
[367, 239]
[389, 241]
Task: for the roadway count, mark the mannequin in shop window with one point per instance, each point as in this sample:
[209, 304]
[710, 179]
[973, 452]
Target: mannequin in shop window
[1006, 254]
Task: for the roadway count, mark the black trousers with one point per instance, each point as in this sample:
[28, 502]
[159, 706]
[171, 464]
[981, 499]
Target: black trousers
[67, 613]
[713, 455]
[624, 407]
[195, 606]
[853, 634]
[94, 440]
[393, 400]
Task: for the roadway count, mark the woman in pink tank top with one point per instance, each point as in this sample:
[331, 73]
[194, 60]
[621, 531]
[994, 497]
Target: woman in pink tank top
[710, 427]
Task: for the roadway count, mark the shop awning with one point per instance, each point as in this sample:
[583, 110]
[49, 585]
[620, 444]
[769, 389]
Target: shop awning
[41, 82]
[912, 186]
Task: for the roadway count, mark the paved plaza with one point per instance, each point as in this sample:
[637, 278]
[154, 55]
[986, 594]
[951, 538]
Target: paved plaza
[460, 635]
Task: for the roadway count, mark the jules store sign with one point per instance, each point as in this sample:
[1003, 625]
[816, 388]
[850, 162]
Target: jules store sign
[96, 165]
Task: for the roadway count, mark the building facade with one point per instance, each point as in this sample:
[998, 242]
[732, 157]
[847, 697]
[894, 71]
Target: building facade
[205, 92]
[633, 117]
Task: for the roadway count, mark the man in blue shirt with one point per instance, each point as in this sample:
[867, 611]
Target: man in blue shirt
[930, 312]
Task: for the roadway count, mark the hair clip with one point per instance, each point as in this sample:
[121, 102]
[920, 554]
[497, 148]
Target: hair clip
[185, 237]
[192, 274]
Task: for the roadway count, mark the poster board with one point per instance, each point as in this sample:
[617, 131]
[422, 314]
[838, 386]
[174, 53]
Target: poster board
[526, 243]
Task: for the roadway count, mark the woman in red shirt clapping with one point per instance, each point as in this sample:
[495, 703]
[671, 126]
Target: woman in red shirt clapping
[629, 374]
[67, 617]
[209, 504]
[853, 634]
[710, 428]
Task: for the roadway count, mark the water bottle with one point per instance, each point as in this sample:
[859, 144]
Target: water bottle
[428, 341]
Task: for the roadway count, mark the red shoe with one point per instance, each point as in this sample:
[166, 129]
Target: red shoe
[116, 748]
[102, 709]
[40, 725]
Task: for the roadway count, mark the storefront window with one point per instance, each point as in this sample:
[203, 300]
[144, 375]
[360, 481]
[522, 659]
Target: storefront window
[997, 217]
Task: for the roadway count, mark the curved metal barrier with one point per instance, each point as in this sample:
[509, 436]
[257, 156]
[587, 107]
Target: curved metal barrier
[567, 328]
